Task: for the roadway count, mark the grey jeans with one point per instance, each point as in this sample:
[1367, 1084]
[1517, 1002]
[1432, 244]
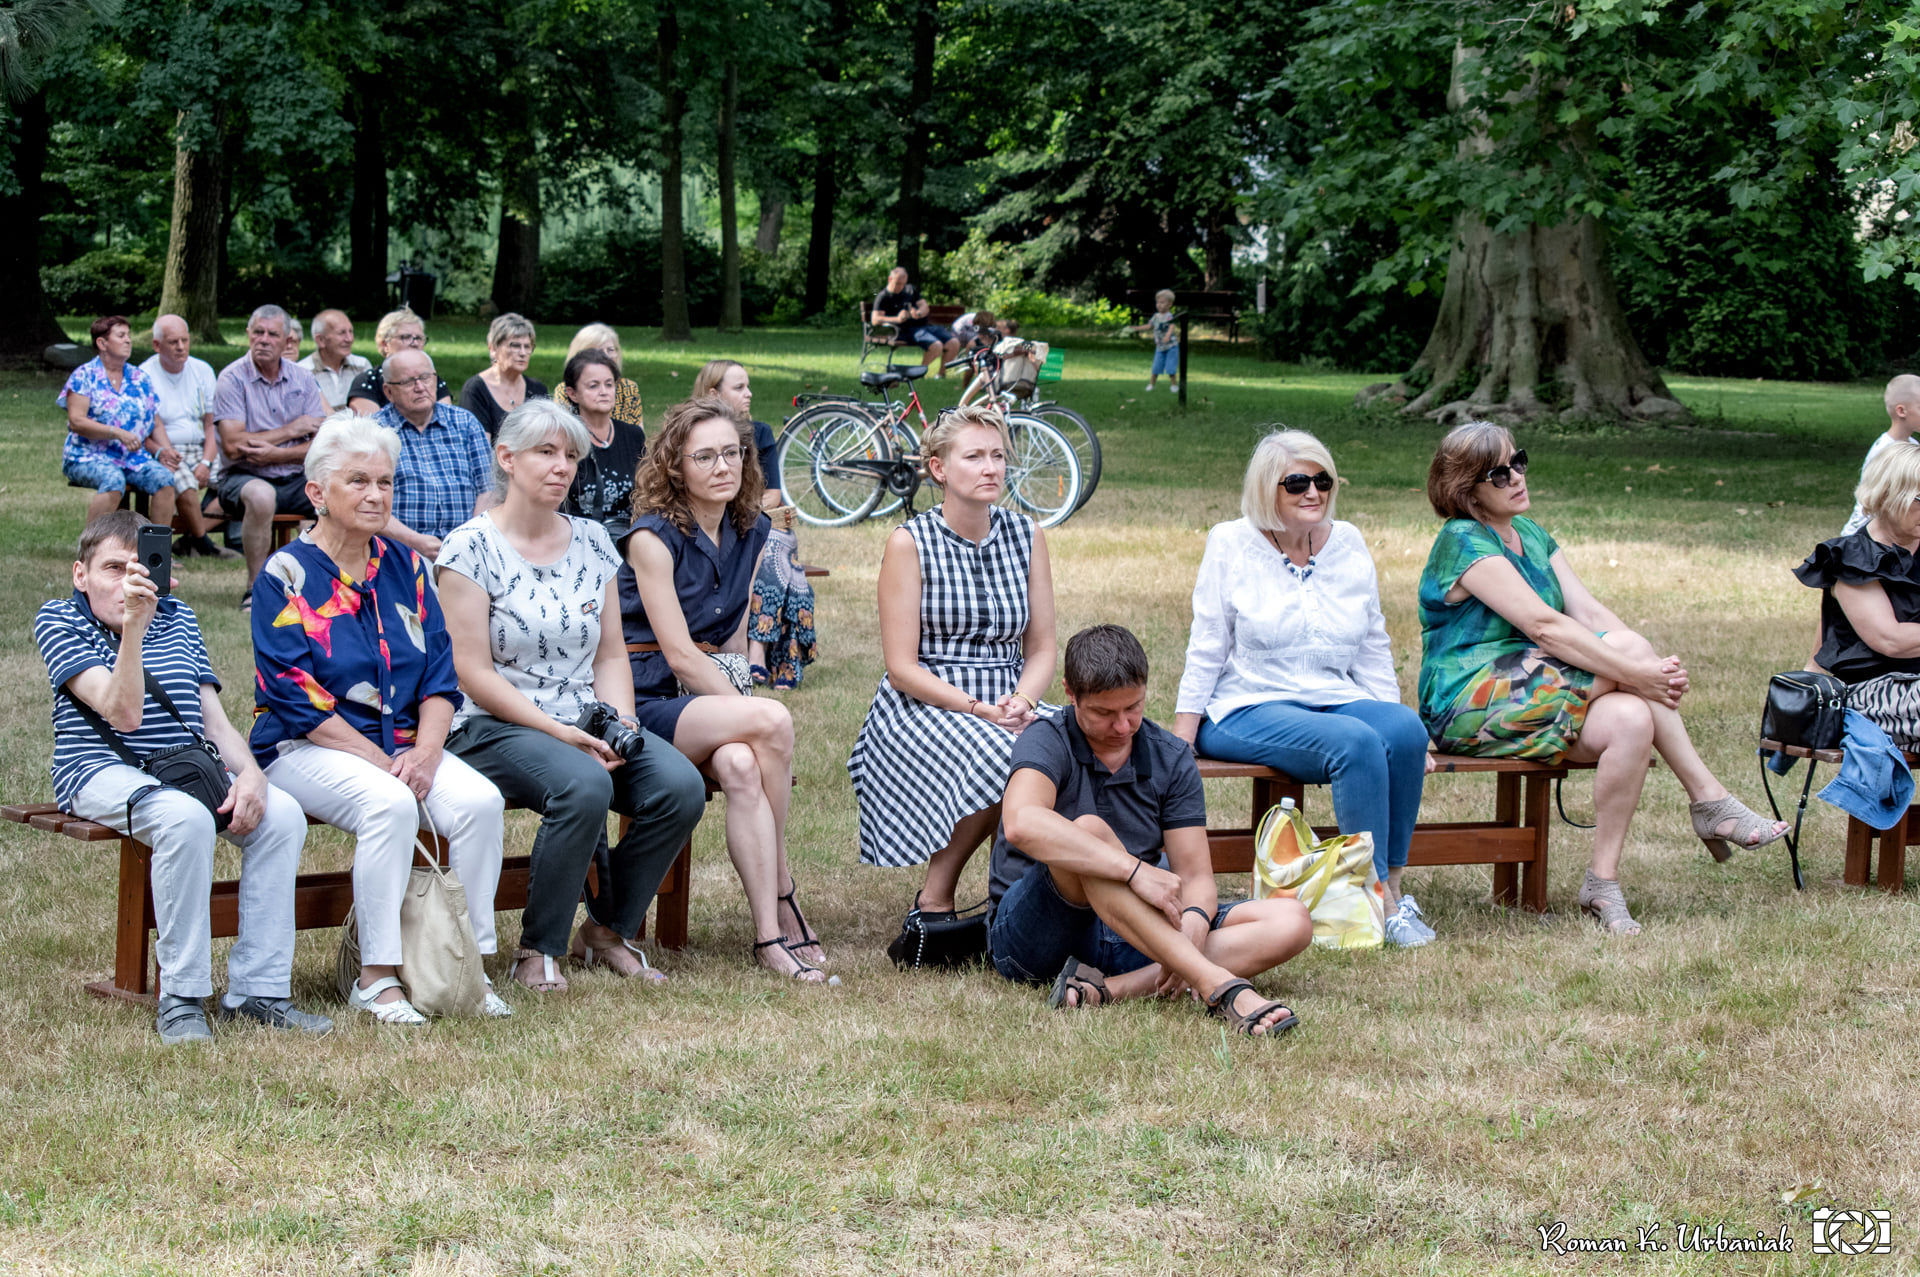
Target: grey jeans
[181, 833]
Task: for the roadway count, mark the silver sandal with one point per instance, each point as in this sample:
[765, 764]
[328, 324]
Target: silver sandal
[1707, 817]
[1601, 897]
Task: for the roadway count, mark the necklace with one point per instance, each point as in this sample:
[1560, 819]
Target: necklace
[598, 442]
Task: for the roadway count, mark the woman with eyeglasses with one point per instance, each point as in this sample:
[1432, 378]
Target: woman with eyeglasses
[697, 532]
[1288, 663]
[1521, 661]
[503, 385]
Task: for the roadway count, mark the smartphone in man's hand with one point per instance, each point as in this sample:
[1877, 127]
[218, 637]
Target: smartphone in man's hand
[155, 549]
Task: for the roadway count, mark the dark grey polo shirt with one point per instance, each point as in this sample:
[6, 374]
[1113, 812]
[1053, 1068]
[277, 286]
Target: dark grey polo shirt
[1158, 788]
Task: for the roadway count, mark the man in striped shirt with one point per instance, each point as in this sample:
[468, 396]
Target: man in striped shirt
[110, 647]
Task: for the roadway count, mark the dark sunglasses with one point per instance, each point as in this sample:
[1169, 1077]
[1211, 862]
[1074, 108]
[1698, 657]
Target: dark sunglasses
[1295, 484]
[1501, 476]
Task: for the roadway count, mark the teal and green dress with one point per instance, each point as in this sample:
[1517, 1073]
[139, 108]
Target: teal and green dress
[1486, 688]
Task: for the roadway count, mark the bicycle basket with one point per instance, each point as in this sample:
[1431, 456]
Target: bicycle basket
[1020, 363]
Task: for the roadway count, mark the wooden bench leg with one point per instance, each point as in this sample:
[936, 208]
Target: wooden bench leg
[1859, 862]
[1533, 892]
[130, 927]
[670, 903]
[1506, 811]
[1892, 873]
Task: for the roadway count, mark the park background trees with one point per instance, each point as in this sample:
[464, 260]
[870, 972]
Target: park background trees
[1522, 210]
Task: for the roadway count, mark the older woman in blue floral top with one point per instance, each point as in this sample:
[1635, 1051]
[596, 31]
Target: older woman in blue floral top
[354, 690]
[114, 435]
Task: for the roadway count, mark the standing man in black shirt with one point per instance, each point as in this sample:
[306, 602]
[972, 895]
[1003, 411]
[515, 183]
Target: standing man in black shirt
[901, 304]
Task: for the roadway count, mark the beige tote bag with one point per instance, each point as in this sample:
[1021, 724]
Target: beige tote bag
[440, 960]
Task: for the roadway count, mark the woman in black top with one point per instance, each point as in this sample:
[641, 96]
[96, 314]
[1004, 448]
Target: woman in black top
[492, 394]
[603, 487]
[1870, 599]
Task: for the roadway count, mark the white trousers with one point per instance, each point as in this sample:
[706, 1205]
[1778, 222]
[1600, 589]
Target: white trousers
[180, 831]
[350, 793]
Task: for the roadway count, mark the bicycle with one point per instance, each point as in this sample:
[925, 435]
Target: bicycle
[839, 459]
[1017, 396]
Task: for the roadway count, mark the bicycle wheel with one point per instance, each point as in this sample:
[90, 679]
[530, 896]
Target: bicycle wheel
[905, 443]
[1043, 475]
[816, 448]
[1086, 444]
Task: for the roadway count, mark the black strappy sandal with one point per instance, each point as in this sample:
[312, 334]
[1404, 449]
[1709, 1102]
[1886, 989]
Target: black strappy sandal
[1078, 977]
[806, 939]
[805, 968]
[1221, 1005]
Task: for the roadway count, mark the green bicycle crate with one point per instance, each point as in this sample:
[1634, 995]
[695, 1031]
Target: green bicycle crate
[1056, 362]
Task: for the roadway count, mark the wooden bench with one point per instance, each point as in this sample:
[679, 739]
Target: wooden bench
[1213, 308]
[887, 336]
[320, 899]
[1514, 842]
[1859, 870]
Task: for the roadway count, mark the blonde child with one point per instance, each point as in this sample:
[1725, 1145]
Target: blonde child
[1166, 340]
[1903, 419]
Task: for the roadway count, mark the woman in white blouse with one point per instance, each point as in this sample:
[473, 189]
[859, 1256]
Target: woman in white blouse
[1288, 663]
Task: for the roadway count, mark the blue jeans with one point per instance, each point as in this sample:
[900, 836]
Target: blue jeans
[1374, 753]
[1166, 361]
[1036, 929]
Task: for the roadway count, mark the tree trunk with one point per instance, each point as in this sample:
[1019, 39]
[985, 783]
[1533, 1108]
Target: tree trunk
[516, 260]
[1533, 317]
[731, 320]
[1219, 250]
[367, 215]
[913, 164]
[826, 165]
[191, 285]
[27, 327]
[675, 324]
[773, 214]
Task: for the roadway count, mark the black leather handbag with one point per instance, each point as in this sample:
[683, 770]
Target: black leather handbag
[941, 939]
[194, 768]
[1805, 709]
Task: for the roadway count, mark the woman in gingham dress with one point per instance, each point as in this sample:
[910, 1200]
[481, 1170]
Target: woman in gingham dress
[966, 628]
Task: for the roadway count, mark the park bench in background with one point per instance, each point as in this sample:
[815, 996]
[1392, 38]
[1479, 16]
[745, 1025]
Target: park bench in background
[1202, 307]
[1861, 836]
[1514, 842]
[887, 336]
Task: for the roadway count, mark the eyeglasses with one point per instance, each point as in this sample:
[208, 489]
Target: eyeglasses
[411, 382]
[706, 459]
[1501, 476]
[407, 337]
[1296, 484]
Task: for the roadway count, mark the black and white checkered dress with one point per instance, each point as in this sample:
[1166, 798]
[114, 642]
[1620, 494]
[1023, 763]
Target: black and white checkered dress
[918, 769]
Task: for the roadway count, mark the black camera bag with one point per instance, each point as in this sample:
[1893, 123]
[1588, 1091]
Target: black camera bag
[194, 768]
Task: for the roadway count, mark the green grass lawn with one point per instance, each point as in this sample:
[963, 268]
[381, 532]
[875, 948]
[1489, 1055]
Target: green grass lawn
[1747, 1059]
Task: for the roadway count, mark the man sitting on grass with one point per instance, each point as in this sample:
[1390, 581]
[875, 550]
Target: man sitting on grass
[1111, 808]
[131, 678]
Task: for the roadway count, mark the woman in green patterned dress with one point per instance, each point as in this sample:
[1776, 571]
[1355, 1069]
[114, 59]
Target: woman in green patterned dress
[1519, 660]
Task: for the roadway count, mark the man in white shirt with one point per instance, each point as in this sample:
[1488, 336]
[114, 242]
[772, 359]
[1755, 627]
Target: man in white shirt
[185, 389]
[333, 363]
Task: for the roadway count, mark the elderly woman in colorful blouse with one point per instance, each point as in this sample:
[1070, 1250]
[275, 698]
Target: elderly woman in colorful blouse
[1869, 583]
[1288, 662]
[354, 690]
[1519, 660]
[114, 436]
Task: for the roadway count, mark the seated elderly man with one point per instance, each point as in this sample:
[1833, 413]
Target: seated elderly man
[445, 473]
[333, 364]
[131, 678]
[1101, 869]
[184, 387]
[397, 331]
[266, 408]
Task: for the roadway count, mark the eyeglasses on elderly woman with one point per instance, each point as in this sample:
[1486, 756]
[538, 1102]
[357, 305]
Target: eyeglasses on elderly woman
[1501, 476]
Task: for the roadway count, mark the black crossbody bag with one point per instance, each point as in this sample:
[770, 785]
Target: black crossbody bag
[195, 768]
[941, 940]
[1809, 711]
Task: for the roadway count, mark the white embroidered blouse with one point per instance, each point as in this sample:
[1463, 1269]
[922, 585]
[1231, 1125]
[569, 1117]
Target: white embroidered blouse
[1266, 630]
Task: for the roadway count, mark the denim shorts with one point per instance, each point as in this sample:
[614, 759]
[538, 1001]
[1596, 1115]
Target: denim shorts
[1166, 361]
[1036, 929]
[930, 335]
[289, 493]
[104, 474]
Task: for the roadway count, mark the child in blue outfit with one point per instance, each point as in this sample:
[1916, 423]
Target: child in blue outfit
[1166, 340]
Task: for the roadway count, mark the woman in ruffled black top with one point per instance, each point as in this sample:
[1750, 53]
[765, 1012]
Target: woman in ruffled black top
[1870, 598]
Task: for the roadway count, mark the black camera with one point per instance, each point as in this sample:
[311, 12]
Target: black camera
[602, 721]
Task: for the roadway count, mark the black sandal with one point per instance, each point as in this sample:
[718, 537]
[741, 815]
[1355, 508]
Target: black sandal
[1077, 977]
[805, 968]
[1221, 1005]
[806, 939]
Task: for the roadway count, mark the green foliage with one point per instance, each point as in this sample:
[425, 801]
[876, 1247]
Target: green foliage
[103, 282]
[1320, 310]
[614, 277]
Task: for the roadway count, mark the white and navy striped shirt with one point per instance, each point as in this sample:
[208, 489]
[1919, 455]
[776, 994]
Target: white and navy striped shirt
[71, 641]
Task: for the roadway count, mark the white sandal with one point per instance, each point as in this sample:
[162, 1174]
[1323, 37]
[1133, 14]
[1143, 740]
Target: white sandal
[495, 1005]
[399, 1011]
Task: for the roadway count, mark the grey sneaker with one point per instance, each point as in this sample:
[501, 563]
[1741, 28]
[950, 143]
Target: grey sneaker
[181, 1020]
[1410, 909]
[276, 1013]
[1401, 932]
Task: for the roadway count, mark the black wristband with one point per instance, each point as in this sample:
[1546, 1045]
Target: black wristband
[1136, 869]
[1206, 916]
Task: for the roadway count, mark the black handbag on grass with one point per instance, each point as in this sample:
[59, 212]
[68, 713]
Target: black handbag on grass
[1806, 710]
[194, 768]
[941, 939]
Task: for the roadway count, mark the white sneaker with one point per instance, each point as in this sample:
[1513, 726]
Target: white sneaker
[399, 1011]
[495, 1005]
[1149, 387]
[1401, 932]
[1410, 910]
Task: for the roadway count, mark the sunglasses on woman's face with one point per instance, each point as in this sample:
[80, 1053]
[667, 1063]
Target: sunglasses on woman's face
[1501, 476]
[1296, 484]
